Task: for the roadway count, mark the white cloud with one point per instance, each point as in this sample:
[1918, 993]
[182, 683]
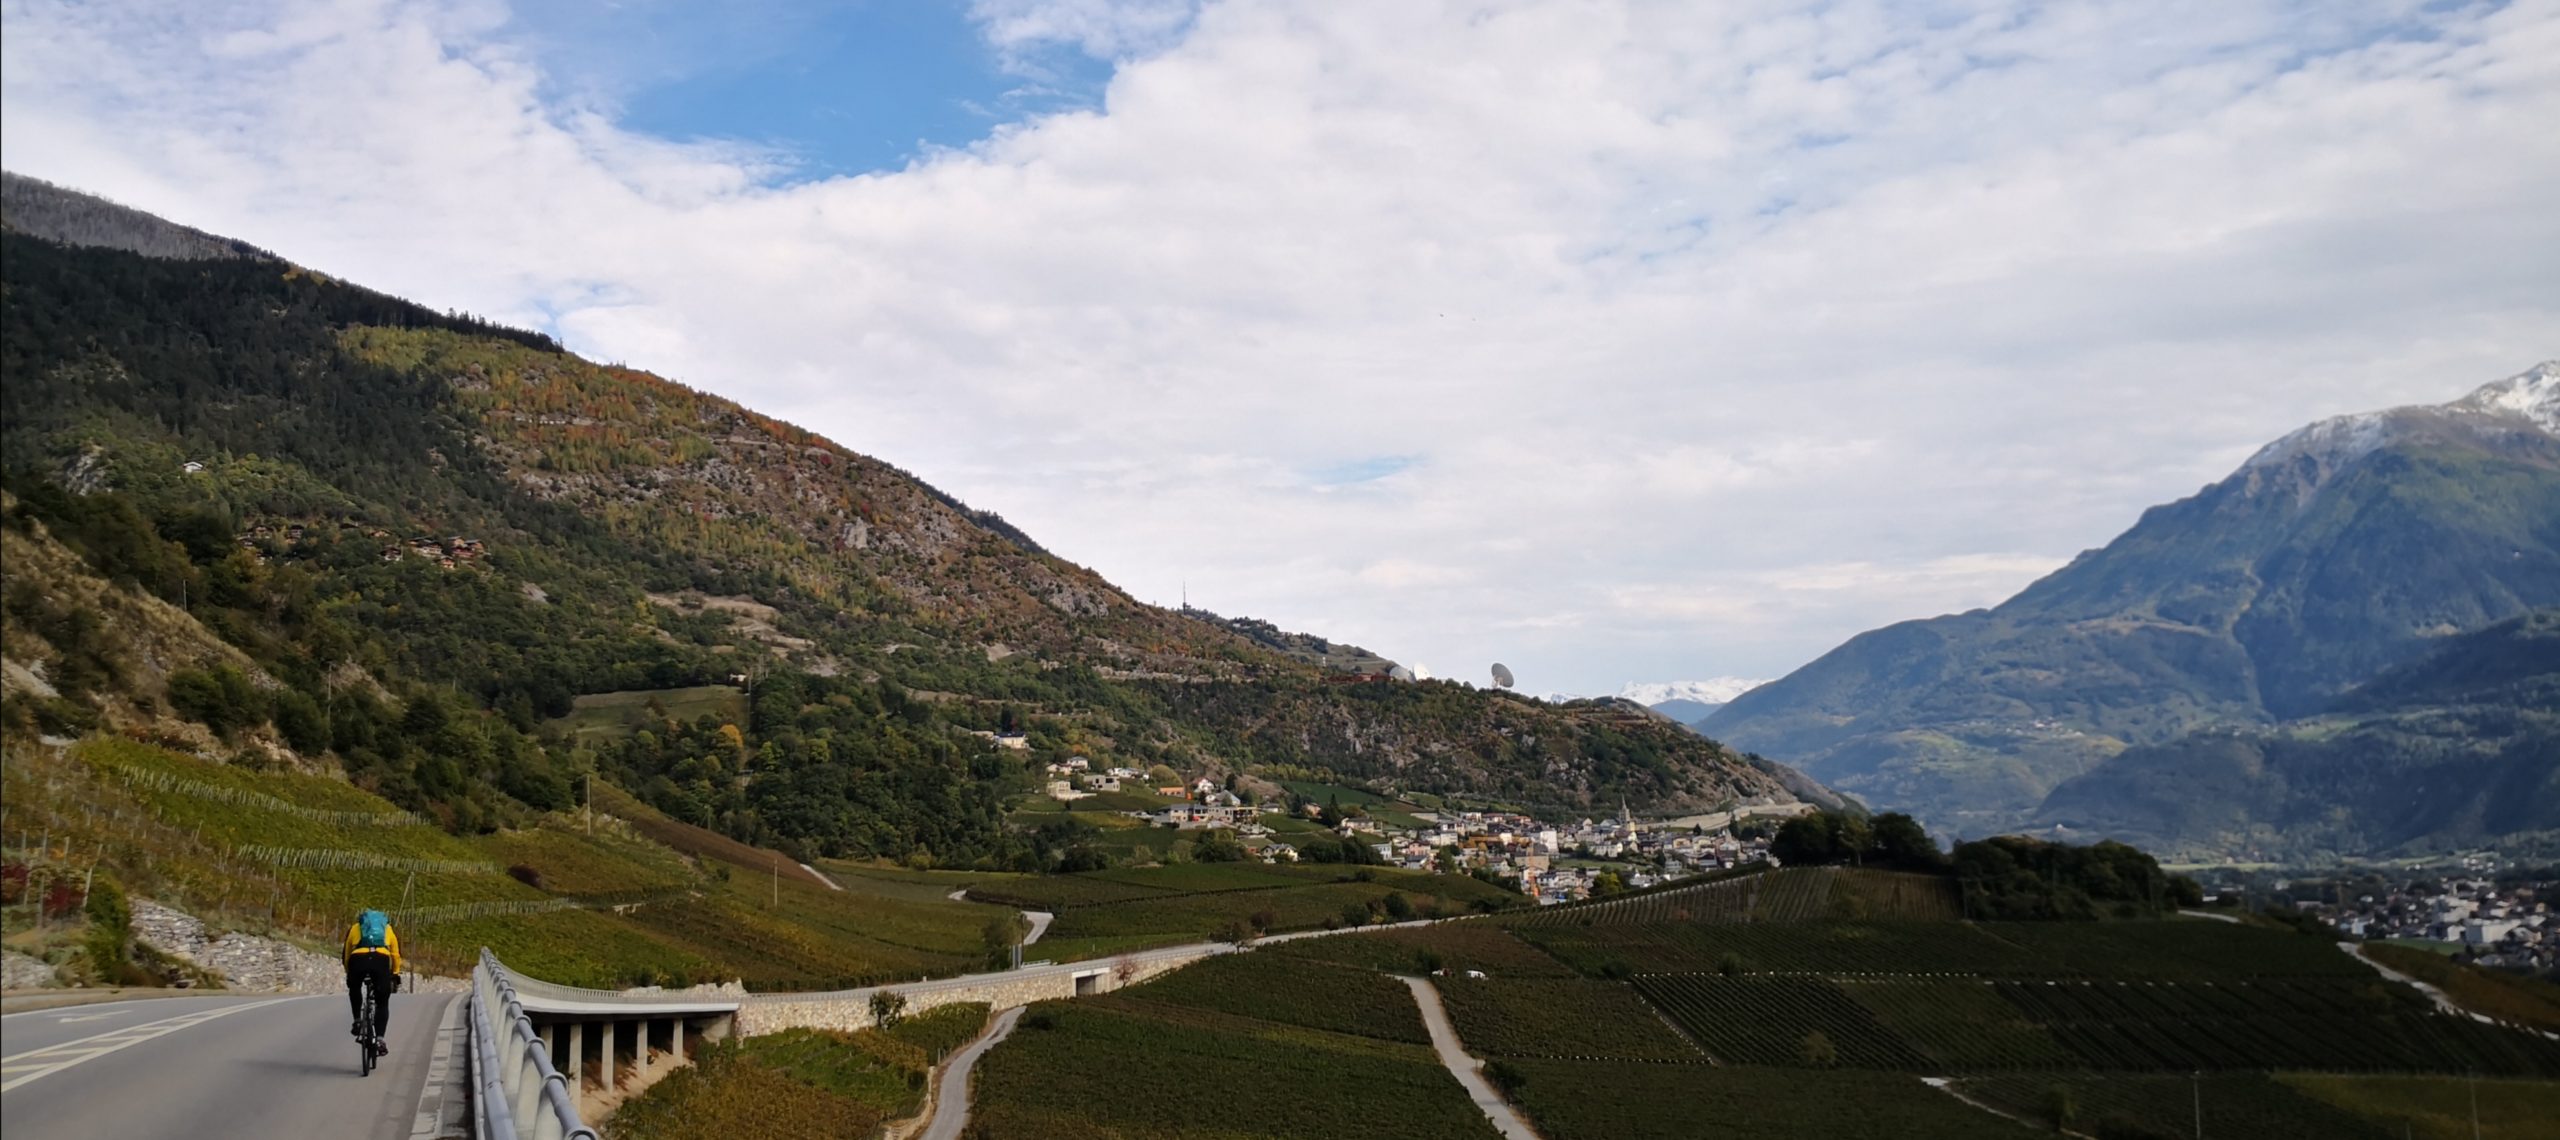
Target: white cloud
[1612, 340]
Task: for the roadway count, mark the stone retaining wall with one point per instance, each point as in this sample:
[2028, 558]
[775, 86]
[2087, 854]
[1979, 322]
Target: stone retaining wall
[244, 961]
[851, 1009]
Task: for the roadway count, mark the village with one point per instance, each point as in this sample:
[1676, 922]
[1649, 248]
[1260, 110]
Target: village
[2505, 924]
[1551, 861]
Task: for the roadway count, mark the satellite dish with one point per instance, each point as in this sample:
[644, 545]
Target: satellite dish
[1502, 677]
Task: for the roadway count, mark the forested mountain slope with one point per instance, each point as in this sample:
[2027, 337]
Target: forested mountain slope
[425, 536]
[2458, 747]
[2351, 546]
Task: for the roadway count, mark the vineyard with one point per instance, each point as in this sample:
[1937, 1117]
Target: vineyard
[1609, 1100]
[1111, 1067]
[1825, 948]
[1455, 946]
[1557, 1017]
[801, 1084]
[2230, 1104]
[1293, 991]
[1779, 1021]
[1785, 895]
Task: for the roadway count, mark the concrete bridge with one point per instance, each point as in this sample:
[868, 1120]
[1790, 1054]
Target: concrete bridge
[598, 1048]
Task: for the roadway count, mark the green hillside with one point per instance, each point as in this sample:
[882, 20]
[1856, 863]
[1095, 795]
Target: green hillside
[279, 518]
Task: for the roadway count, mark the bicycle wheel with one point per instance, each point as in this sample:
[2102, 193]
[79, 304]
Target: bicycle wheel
[364, 1044]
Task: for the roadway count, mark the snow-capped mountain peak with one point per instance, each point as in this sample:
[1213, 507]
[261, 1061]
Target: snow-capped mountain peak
[2533, 395]
[1712, 691]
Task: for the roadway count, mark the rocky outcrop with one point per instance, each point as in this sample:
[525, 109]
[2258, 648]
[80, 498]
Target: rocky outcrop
[22, 972]
[244, 961]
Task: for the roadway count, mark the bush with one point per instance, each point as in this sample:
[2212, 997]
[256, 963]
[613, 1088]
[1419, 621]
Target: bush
[110, 937]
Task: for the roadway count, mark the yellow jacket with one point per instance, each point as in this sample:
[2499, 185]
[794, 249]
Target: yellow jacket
[355, 934]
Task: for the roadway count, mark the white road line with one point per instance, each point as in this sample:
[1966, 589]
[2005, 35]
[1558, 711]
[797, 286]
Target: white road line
[34, 1063]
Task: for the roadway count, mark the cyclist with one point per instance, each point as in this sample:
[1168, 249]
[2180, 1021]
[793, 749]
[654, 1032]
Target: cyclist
[372, 951]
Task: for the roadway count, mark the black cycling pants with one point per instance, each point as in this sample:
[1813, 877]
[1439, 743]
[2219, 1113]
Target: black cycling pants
[377, 967]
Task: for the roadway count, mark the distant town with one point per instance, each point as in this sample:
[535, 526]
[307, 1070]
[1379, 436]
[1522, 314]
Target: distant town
[1551, 861]
[2488, 918]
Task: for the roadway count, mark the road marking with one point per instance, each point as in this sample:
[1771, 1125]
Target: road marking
[89, 1017]
[34, 1063]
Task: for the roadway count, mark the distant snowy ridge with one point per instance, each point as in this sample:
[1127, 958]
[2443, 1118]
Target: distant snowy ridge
[1712, 691]
[2532, 396]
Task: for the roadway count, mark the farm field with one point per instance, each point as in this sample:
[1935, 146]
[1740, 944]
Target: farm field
[1293, 991]
[1395, 812]
[2523, 1001]
[1066, 1073]
[1612, 1100]
[1191, 901]
[1558, 1017]
[1456, 946]
[1790, 894]
[2232, 1104]
[2438, 1108]
[613, 716]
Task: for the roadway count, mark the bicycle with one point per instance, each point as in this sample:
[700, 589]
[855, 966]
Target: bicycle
[370, 1047]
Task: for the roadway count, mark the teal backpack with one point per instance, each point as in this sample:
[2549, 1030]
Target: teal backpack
[373, 930]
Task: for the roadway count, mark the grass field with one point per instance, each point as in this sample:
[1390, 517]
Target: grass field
[612, 716]
[1559, 1017]
[1378, 807]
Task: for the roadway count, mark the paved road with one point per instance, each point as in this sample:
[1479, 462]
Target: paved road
[200, 1068]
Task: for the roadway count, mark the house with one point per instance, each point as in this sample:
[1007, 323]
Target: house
[1077, 764]
[1102, 783]
[1172, 791]
[1012, 740]
[1203, 786]
[1062, 791]
[1279, 853]
[192, 467]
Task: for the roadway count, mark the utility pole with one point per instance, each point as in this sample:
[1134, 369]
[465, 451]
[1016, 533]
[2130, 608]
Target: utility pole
[591, 801]
[777, 884]
[2195, 1081]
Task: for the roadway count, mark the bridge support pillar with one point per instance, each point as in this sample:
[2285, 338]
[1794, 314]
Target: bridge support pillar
[675, 1044]
[576, 1067]
[612, 1030]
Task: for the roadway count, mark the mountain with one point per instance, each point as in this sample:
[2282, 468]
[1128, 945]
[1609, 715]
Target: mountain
[2340, 551]
[461, 566]
[1687, 701]
[2457, 747]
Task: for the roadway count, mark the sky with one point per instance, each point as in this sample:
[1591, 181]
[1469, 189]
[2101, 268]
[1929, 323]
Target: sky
[1617, 342]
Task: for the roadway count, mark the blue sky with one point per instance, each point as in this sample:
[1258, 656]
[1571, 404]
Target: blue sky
[1613, 340]
[836, 88]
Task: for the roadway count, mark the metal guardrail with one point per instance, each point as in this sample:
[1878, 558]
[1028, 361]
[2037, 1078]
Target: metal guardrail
[515, 1090]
